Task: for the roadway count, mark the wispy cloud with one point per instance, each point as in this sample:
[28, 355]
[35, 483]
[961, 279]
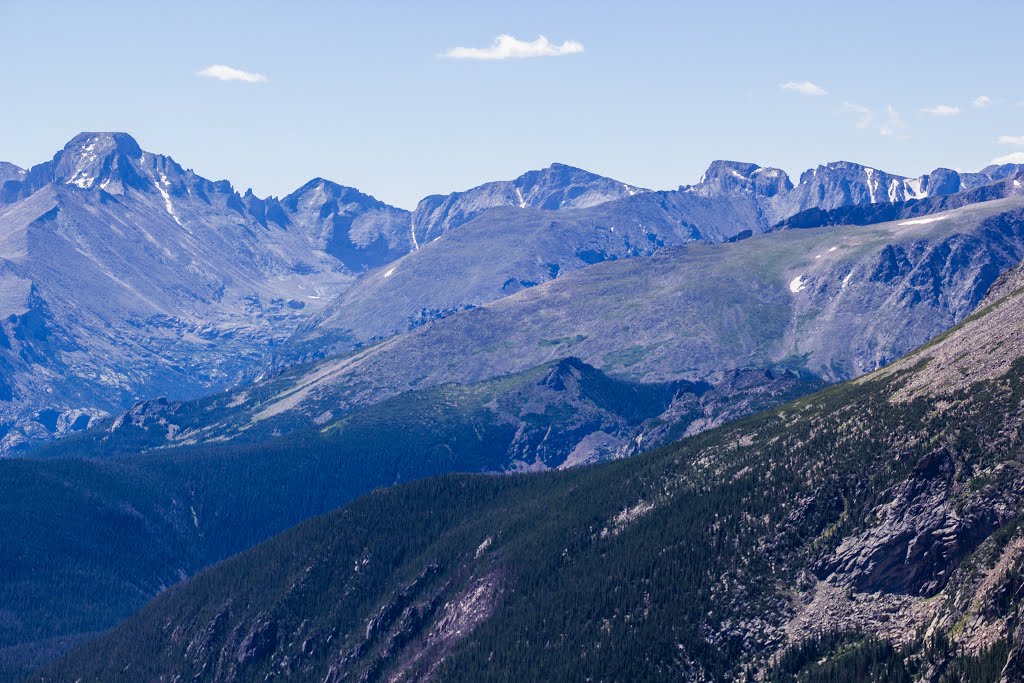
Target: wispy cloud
[803, 87]
[893, 123]
[228, 73]
[942, 110]
[510, 47]
[1012, 158]
[981, 101]
[1011, 140]
[864, 115]
[866, 118]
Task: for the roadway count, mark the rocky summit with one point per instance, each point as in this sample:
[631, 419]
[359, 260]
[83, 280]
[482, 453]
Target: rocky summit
[126, 275]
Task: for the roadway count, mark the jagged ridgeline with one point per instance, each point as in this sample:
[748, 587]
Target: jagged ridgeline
[871, 531]
[197, 288]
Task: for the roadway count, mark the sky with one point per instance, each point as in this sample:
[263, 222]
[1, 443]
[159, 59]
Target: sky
[406, 99]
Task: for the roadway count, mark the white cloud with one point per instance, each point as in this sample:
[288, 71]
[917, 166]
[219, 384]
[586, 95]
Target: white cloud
[864, 115]
[942, 110]
[228, 73]
[1011, 140]
[981, 101]
[1012, 158]
[893, 123]
[510, 47]
[803, 87]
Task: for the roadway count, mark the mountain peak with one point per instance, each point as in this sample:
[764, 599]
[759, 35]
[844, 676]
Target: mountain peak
[1002, 171]
[560, 167]
[560, 186]
[727, 177]
[556, 173]
[557, 187]
[845, 169]
[322, 191]
[90, 159]
[841, 164]
[943, 181]
[100, 142]
[724, 167]
[9, 171]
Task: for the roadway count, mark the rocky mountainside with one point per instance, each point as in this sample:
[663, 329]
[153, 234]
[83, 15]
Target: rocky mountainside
[358, 230]
[843, 184]
[10, 172]
[835, 185]
[1007, 182]
[551, 189]
[123, 275]
[195, 285]
[845, 189]
[560, 414]
[505, 249]
[500, 253]
[558, 319]
[868, 532]
[830, 303]
[737, 177]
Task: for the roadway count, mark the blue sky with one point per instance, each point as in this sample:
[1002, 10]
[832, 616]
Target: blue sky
[358, 92]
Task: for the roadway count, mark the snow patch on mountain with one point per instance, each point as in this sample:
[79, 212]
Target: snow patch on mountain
[162, 188]
[925, 221]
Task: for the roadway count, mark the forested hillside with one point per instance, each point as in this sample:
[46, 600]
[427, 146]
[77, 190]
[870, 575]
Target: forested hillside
[868, 531]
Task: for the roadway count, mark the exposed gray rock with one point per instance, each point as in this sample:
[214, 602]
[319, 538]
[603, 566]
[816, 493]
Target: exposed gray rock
[195, 287]
[124, 276]
[735, 177]
[919, 538]
[554, 188]
[9, 171]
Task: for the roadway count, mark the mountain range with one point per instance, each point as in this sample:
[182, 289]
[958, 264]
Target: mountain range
[827, 304]
[201, 288]
[186, 371]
